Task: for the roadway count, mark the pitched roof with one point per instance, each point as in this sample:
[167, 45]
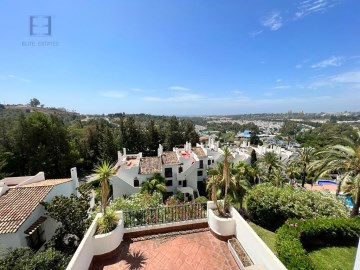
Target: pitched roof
[17, 204]
[48, 182]
[150, 165]
[169, 158]
[199, 151]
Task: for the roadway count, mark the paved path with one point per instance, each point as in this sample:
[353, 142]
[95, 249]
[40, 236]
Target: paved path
[193, 251]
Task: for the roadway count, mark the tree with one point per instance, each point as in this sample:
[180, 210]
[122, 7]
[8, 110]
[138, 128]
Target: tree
[278, 178]
[153, 139]
[190, 134]
[72, 213]
[303, 158]
[253, 158]
[25, 258]
[103, 172]
[34, 102]
[345, 159]
[226, 175]
[289, 129]
[254, 139]
[272, 161]
[157, 183]
[173, 135]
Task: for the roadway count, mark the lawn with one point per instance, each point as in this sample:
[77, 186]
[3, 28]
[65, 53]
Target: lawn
[327, 258]
[267, 236]
[334, 258]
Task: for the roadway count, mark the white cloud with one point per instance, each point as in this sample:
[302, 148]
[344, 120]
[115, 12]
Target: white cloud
[273, 21]
[256, 33]
[282, 87]
[14, 77]
[238, 92]
[347, 77]
[268, 94]
[136, 90]
[298, 66]
[176, 98]
[279, 80]
[179, 88]
[333, 61]
[307, 7]
[114, 94]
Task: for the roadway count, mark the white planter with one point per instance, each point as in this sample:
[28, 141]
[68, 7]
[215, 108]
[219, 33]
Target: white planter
[236, 257]
[221, 226]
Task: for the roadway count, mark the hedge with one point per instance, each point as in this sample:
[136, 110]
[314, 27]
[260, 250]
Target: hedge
[290, 238]
[269, 206]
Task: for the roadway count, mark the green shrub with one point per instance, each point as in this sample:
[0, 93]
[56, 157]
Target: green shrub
[270, 206]
[137, 201]
[25, 258]
[107, 223]
[292, 236]
[201, 199]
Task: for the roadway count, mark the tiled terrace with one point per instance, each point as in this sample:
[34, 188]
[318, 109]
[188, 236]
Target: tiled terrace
[199, 250]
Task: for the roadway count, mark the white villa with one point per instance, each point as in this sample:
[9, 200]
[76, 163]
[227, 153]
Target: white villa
[184, 168]
[23, 222]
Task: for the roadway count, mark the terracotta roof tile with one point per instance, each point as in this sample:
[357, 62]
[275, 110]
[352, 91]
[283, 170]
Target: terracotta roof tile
[169, 158]
[150, 165]
[17, 204]
[48, 182]
[199, 151]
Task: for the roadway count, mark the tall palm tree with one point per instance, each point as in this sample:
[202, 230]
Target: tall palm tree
[278, 178]
[292, 171]
[303, 158]
[345, 159]
[157, 183]
[272, 161]
[214, 183]
[242, 175]
[226, 175]
[103, 172]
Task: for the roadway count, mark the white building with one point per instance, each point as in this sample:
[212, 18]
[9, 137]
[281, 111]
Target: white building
[23, 222]
[184, 169]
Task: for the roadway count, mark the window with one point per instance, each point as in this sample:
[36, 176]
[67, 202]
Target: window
[209, 162]
[168, 172]
[200, 173]
[136, 182]
[212, 161]
[180, 169]
[169, 183]
[201, 165]
[37, 238]
[180, 183]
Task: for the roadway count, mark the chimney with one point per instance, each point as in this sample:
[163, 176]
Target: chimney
[119, 155]
[160, 150]
[3, 188]
[124, 152]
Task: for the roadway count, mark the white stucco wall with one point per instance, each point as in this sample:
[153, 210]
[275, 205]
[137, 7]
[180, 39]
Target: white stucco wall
[258, 251]
[357, 259]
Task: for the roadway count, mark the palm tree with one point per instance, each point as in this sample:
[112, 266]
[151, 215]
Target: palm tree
[157, 183]
[304, 157]
[240, 182]
[103, 172]
[278, 178]
[345, 159]
[226, 174]
[292, 171]
[214, 183]
[272, 161]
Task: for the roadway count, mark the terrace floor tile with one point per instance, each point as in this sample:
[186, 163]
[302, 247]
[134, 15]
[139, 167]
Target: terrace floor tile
[199, 250]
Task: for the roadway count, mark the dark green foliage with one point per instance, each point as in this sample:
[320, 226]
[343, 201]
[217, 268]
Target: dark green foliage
[72, 213]
[297, 233]
[26, 259]
[201, 199]
[34, 102]
[107, 223]
[253, 158]
[270, 207]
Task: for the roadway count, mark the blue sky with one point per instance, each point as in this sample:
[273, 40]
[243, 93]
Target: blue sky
[183, 57]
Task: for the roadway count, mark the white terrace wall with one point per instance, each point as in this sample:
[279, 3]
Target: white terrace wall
[92, 245]
[357, 259]
[258, 251]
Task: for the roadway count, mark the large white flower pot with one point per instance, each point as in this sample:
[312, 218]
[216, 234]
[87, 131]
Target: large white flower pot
[221, 226]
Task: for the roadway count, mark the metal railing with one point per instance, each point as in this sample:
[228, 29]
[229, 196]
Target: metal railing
[166, 214]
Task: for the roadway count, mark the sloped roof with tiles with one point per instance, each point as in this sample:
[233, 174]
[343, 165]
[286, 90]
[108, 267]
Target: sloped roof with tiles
[199, 151]
[48, 182]
[169, 158]
[150, 165]
[17, 204]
